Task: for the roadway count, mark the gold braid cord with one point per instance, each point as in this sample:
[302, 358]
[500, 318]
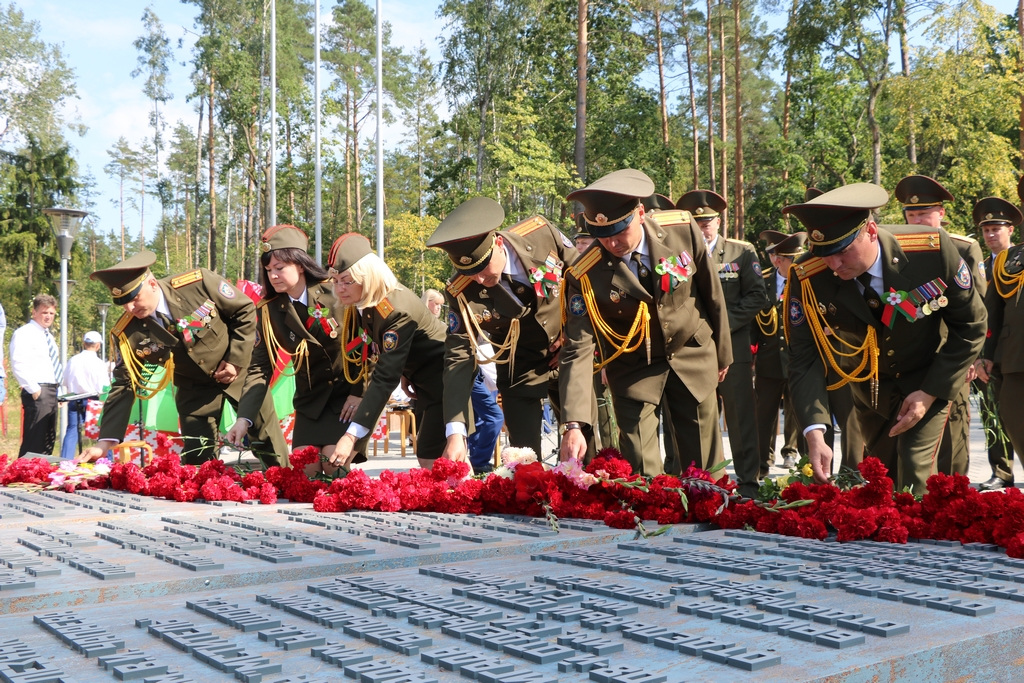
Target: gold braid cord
[640, 329]
[275, 349]
[866, 370]
[769, 323]
[1007, 285]
[350, 329]
[141, 374]
[506, 349]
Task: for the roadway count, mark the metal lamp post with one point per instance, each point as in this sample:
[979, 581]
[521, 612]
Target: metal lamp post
[103, 318]
[66, 223]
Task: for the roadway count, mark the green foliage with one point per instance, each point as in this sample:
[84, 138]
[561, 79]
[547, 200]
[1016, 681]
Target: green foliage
[415, 266]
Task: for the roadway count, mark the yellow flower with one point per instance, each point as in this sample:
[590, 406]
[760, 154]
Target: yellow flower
[806, 470]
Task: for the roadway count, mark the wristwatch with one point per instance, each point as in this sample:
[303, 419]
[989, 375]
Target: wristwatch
[569, 425]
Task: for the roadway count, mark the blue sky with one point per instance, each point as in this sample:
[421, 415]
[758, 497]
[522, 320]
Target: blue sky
[96, 38]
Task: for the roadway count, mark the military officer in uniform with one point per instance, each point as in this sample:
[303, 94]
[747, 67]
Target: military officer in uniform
[862, 292]
[922, 198]
[997, 219]
[773, 355]
[506, 286]
[647, 298]
[295, 316]
[739, 270]
[201, 331]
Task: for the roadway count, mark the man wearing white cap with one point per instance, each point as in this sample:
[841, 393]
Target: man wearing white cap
[85, 373]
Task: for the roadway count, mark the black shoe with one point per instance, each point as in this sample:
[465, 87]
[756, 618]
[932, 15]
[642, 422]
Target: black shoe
[994, 484]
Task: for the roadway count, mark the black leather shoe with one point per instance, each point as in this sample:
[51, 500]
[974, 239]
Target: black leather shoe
[994, 484]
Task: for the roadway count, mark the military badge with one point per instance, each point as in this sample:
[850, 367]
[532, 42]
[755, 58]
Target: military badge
[796, 312]
[963, 276]
[545, 278]
[757, 268]
[817, 236]
[226, 290]
[390, 340]
[453, 322]
[576, 305]
[486, 315]
[614, 296]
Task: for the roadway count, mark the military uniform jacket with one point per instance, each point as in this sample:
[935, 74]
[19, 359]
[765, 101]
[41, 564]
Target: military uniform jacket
[1004, 344]
[743, 285]
[320, 381]
[226, 332]
[689, 325]
[540, 320]
[912, 355]
[772, 349]
[409, 341]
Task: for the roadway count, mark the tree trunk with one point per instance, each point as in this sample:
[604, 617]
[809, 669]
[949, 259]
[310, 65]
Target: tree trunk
[580, 150]
[480, 137]
[739, 206]
[250, 214]
[348, 160]
[1020, 31]
[211, 245]
[227, 208]
[357, 179]
[664, 101]
[693, 107]
[291, 166]
[876, 133]
[905, 61]
[786, 94]
[711, 104]
[199, 173]
[188, 231]
[142, 206]
[122, 212]
[724, 112]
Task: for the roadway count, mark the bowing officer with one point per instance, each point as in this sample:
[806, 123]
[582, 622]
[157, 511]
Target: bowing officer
[200, 330]
[646, 297]
[773, 355]
[862, 292]
[295, 316]
[505, 287]
[739, 270]
[1002, 363]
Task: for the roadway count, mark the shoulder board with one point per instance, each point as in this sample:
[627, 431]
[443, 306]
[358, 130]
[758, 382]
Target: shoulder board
[456, 286]
[531, 224]
[811, 266]
[187, 279]
[768, 273]
[962, 238]
[385, 308]
[667, 219]
[919, 241]
[740, 242]
[585, 263]
[263, 302]
[118, 328]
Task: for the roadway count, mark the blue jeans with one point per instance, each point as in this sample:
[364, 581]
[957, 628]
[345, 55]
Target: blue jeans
[76, 417]
[489, 420]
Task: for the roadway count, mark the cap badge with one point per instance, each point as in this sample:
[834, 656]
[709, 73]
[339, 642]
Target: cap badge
[265, 246]
[465, 259]
[988, 216]
[116, 291]
[913, 199]
[600, 219]
[817, 236]
[699, 210]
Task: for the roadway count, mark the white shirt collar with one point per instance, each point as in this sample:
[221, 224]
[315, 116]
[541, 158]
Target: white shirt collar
[712, 244]
[514, 267]
[643, 248]
[876, 267]
[161, 305]
[45, 330]
[303, 298]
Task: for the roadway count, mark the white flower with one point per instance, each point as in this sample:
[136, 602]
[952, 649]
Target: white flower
[513, 457]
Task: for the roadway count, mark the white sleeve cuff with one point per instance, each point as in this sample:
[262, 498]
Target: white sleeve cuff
[455, 428]
[357, 430]
[815, 426]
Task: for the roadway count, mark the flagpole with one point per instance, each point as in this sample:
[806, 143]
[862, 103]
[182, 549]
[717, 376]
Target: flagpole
[380, 138]
[272, 190]
[316, 124]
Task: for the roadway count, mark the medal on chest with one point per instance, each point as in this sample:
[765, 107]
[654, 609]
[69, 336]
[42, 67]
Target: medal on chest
[547, 278]
[320, 316]
[201, 317]
[674, 271]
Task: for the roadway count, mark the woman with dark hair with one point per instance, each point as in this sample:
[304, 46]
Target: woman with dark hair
[295, 317]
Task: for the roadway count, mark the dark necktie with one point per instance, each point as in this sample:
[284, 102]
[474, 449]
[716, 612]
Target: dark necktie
[871, 296]
[166, 321]
[506, 283]
[301, 310]
[643, 274]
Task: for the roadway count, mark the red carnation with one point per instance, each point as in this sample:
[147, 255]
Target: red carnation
[307, 455]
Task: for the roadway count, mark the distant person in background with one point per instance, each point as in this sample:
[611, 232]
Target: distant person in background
[3, 372]
[35, 362]
[85, 373]
[433, 300]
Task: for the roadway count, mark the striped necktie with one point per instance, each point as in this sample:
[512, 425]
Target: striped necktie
[58, 371]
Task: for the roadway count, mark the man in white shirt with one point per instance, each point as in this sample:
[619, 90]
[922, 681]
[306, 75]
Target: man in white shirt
[35, 362]
[85, 373]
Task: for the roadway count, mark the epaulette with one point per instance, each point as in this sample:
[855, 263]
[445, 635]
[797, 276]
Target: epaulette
[385, 308]
[729, 239]
[122, 323]
[456, 286]
[811, 266]
[532, 224]
[919, 241]
[668, 219]
[187, 279]
[962, 238]
[262, 302]
[768, 273]
[585, 263]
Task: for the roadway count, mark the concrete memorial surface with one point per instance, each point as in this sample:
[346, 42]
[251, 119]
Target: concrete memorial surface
[114, 587]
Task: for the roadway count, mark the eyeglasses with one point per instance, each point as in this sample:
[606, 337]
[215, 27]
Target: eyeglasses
[346, 283]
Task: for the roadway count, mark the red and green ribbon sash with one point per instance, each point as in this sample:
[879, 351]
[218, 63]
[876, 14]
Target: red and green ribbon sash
[898, 301]
[362, 341]
[320, 315]
[673, 270]
[545, 278]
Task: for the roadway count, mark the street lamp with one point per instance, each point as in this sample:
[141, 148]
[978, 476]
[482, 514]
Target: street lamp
[65, 223]
[103, 316]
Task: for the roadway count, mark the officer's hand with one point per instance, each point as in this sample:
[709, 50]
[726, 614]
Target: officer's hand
[972, 374]
[984, 369]
[226, 373]
[554, 350]
[408, 387]
[574, 445]
[35, 396]
[819, 455]
[913, 409]
[604, 377]
[344, 452]
[722, 373]
[237, 431]
[348, 411]
[96, 452]
[455, 448]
